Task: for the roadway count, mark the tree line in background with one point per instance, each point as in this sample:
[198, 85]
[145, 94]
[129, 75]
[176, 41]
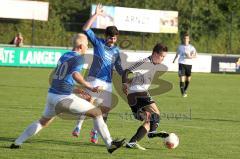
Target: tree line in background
[213, 24]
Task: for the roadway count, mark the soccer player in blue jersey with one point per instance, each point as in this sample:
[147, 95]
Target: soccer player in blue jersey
[61, 98]
[106, 56]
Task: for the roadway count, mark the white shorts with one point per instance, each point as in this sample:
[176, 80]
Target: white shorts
[104, 97]
[70, 104]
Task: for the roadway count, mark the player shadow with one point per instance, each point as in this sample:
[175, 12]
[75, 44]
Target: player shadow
[9, 139]
[64, 142]
[46, 141]
[220, 120]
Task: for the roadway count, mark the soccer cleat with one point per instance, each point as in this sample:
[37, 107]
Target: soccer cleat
[115, 145]
[94, 136]
[161, 134]
[76, 132]
[184, 95]
[134, 145]
[13, 146]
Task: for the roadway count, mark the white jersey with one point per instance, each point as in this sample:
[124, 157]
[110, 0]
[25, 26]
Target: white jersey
[143, 72]
[183, 51]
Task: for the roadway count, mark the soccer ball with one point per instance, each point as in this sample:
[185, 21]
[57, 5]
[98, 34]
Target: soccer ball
[172, 141]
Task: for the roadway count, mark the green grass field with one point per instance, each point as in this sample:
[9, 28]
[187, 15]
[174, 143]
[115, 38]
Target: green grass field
[211, 131]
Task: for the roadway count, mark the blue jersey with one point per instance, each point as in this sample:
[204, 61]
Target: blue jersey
[63, 82]
[104, 59]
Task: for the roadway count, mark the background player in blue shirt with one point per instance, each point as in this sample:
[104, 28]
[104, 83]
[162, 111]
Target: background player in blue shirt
[61, 98]
[106, 56]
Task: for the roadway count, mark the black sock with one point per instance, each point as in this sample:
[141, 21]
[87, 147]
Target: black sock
[182, 87]
[141, 132]
[186, 86]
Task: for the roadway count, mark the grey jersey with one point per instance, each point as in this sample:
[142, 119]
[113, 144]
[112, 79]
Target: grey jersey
[143, 74]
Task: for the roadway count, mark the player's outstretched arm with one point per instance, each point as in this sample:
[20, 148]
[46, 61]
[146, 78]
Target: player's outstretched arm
[125, 81]
[80, 80]
[98, 11]
[176, 56]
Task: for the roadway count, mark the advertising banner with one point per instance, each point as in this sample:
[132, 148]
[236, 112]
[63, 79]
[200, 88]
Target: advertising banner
[48, 57]
[16, 9]
[225, 64]
[200, 64]
[30, 57]
[138, 20]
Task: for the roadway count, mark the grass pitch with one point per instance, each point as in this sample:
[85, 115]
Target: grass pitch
[207, 121]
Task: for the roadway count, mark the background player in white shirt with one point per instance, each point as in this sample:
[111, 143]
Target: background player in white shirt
[61, 98]
[186, 53]
[141, 103]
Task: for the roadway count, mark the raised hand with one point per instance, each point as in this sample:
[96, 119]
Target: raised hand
[99, 10]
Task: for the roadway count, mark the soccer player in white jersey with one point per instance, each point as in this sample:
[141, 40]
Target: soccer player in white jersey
[141, 103]
[186, 53]
[106, 56]
[61, 98]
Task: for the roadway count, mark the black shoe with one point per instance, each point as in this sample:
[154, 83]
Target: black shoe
[161, 134]
[13, 146]
[115, 145]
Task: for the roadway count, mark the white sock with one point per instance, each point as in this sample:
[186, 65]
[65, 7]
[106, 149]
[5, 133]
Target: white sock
[102, 129]
[31, 130]
[80, 121]
[104, 115]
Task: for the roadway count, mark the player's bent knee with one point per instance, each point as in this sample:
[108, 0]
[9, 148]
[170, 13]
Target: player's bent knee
[147, 117]
[94, 112]
[104, 109]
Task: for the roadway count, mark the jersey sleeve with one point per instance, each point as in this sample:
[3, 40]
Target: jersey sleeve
[118, 65]
[92, 37]
[178, 50]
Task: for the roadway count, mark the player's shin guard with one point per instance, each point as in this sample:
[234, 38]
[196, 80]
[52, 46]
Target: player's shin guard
[31, 130]
[154, 123]
[141, 132]
[102, 129]
[182, 87]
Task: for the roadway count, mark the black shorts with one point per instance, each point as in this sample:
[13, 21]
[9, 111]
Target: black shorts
[137, 101]
[184, 70]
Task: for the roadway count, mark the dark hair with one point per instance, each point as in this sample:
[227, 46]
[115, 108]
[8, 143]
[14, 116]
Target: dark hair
[158, 48]
[111, 31]
[184, 34]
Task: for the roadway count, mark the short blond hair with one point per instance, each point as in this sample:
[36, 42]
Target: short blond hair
[79, 39]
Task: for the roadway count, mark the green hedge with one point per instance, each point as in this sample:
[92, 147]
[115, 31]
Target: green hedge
[213, 25]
